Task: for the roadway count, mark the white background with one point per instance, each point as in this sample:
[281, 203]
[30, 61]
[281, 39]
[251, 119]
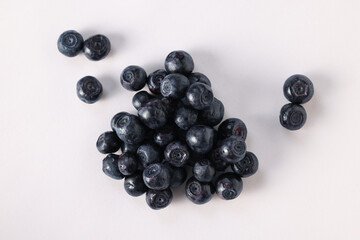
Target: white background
[308, 184]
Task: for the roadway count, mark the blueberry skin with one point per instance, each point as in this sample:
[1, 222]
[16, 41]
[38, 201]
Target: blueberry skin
[158, 199]
[154, 80]
[232, 127]
[247, 166]
[156, 176]
[198, 77]
[174, 86]
[165, 135]
[110, 167]
[140, 99]
[232, 149]
[179, 62]
[115, 118]
[185, 117]
[204, 171]
[178, 175]
[89, 89]
[130, 148]
[177, 153]
[134, 185]
[216, 160]
[292, 116]
[153, 114]
[108, 142]
[97, 47]
[200, 138]
[213, 114]
[170, 105]
[198, 192]
[130, 129]
[149, 153]
[127, 163]
[229, 186]
[70, 43]
[199, 96]
[133, 78]
[298, 89]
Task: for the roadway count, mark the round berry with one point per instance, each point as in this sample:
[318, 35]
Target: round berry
[200, 138]
[89, 89]
[129, 128]
[204, 171]
[179, 62]
[178, 175]
[133, 78]
[198, 77]
[153, 114]
[108, 142]
[232, 127]
[127, 163]
[298, 89]
[97, 47]
[110, 166]
[140, 99]
[174, 86]
[216, 160]
[246, 166]
[232, 149]
[229, 186]
[134, 185]
[213, 114]
[149, 153]
[292, 116]
[198, 192]
[156, 176]
[70, 43]
[199, 96]
[185, 117]
[154, 80]
[177, 153]
[158, 199]
[165, 135]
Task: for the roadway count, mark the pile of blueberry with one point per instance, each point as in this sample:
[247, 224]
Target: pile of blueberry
[174, 134]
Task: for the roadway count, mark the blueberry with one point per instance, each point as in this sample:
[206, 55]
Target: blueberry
[128, 147]
[198, 192]
[185, 117]
[174, 85]
[216, 160]
[157, 176]
[298, 89]
[153, 114]
[247, 166]
[127, 163]
[89, 89]
[158, 199]
[149, 153]
[129, 128]
[229, 186]
[232, 127]
[178, 175]
[198, 77]
[177, 153]
[292, 116]
[213, 114]
[108, 142]
[140, 99]
[200, 138]
[97, 47]
[170, 105]
[70, 43]
[133, 78]
[165, 135]
[204, 171]
[232, 149]
[134, 185]
[199, 96]
[154, 80]
[179, 62]
[110, 166]
[115, 118]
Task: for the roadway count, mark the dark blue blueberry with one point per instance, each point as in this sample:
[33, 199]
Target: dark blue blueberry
[158, 199]
[179, 62]
[198, 192]
[133, 78]
[134, 185]
[232, 127]
[170, 105]
[298, 89]
[198, 77]
[157, 176]
[110, 166]
[216, 160]
[153, 114]
[292, 116]
[89, 89]
[130, 129]
[97, 47]
[115, 118]
[232, 149]
[200, 138]
[177, 153]
[154, 80]
[213, 114]
[127, 163]
[165, 135]
[70, 43]
[178, 175]
[108, 142]
[204, 171]
[200, 96]
[185, 117]
[229, 186]
[149, 153]
[140, 99]
[246, 166]
[128, 147]
[174, 86]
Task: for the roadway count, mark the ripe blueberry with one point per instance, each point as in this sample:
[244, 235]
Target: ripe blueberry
[154, 80]
[177, 153]
[198, 192]
[213, 114]
[133, 78]
[165, 135]
[89, 89]
[232, 127]
[158, 199]
[97, 47]
[149, 153]
[110, 166]
[292, 116]
[134, 185]
[157, 176]
[130, 129]
[199, 96]
[140, 99]
[298, 89]
[179, 62]
[246, 166]
[108, 142]
[198, 77]
[204, 171]
[153, 114]
[185, 117]
[127, 163]
[232, 149]
[174, 85]
[70, 43]
[229, 186]
[200, 138]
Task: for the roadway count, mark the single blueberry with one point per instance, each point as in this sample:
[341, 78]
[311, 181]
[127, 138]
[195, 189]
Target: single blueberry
[134, 185]
[110, 166]
[178, 175]
[177, 153]
[204, 171]
[229, 186]
[140, 99]
[179, 62]
[97, 47]
[129, 129]
[298, 89]
[165, 135]
[158, 199]
[127, 163]
[133, 78]
[198, 77]
[232, 127]
[199, 95]
[200, 138]
[198, 192]
[246, 166]
[70, 43]
[156, 176]
[154, 80]
[292, 116]
[153, 114]
[149, 153]
[213, 114]
[185, 117]
[128, 147]
[232, 149]
[174, 86]
[115, 118]
[108, 142]
[89, 89]
[216, 160]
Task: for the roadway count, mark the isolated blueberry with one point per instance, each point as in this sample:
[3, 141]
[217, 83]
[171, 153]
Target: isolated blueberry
[179, 62]
[97, 47]
[89, 89]
[153, 114]
[115, 118]
[232, 149]
[229, 186]
[158, 199]
[298, 89]
[70, 43]
[127, 163]
[165, 135]
[130, 129]
[174, 86]
[204, 171]
[154, 80]
[108, 142]
[157, 176]
[198, 192]
[246, 166]
[110, 166]
[292, 116]
[178, 175]
[128, 147]
[199, 95]
[149, 153]
[133, 78]
[198, 77]
[213, 114]
[176, 153]
[216, 160]
[134, 185]
[185, 117]
[140, 99]
[232, 127]
[200, 138]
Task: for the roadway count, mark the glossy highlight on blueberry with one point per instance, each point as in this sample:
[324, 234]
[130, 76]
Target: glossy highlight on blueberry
[134, 185]
[156, 176]
[149, 153]
[232, 149]
[158, 199]
[185, 117]
[199, 96]
[133, 78]
[154, 80]
[200, 138]
[174, 85]
[179, 62]
[97, 47]
[213, 114]
[108, 142]
[140, 99]
[89, 89]
[177, 153]
[165, 135]
[203, 170]
[247, 166]
[298, 89]
[110, 167]
[229, 186]
[232, 127]
[70, 43]
[292, 116]
[153, 114]
[129, 128]
[127, 163]
[198, 192]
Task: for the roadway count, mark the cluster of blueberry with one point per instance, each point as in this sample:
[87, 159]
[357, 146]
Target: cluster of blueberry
[172, 134]
[298, 89]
